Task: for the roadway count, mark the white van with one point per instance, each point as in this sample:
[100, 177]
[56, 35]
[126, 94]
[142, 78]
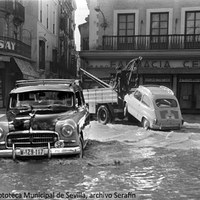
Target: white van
[155, 106]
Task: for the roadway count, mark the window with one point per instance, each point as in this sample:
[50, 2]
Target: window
[54, 61]
[126, 24]
[41, 54]
[138, 95]
[54, 22]
[41, 11]
[166, 103]
[192, 29]
[35, 98]
[146, 101]
[126, 31]
[159, 30]
[47, 16]
[78, 99]
[192, 22]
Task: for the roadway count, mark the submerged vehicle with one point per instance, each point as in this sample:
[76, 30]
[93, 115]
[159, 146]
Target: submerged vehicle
[107, 102]
[155, 106]
[45, 117]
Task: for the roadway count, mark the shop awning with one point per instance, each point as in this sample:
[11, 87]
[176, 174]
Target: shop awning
[26, 69]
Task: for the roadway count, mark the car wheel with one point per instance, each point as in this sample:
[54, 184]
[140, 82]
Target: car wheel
[80, 155]
[145, 124]
[103, 115]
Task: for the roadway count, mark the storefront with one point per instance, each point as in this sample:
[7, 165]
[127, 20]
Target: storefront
[12, 69]
[189, 93]
[166, 80]
[182, 76]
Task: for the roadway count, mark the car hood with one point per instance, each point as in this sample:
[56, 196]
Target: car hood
[36, 120]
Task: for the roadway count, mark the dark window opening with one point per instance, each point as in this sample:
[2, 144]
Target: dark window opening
[41, 54]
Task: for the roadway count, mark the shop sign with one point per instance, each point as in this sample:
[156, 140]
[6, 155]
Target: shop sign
[148, 64]
[156, 80]
[189, 80]
[7, 45]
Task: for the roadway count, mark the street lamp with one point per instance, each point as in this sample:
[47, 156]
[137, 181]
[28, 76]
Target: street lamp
[104, 24]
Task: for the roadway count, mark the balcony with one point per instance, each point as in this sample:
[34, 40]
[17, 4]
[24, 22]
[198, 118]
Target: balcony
[13, 46]
[149, 42]
[6, 6]
[19, 13]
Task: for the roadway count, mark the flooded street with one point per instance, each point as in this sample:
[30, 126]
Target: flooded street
[121, 161]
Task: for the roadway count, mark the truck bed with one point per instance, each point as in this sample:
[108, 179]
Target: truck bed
[100, 95]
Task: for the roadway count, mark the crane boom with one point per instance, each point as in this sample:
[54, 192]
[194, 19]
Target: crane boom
[102, 83]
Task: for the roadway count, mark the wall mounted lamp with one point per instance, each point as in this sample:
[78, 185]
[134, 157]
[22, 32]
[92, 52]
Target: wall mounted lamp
[104, 24]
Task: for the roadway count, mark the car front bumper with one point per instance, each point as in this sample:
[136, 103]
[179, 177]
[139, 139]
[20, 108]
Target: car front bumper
[48, 152]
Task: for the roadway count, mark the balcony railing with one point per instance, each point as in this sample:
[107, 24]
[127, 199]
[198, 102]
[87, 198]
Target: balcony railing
[151, 42]
[6, 6]
[19, 13]
[14, 46]
[15, 8]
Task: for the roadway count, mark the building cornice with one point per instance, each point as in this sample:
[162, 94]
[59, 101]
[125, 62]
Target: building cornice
[153, 54]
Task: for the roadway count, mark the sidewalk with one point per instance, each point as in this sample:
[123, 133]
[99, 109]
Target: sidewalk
[191, 118]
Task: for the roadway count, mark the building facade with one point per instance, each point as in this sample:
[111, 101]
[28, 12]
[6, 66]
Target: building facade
[31, 41]
[165, 33]
[15, 54]
[67, 48]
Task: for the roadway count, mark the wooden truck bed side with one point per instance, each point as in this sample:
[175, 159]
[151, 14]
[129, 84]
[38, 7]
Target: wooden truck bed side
[99, 96]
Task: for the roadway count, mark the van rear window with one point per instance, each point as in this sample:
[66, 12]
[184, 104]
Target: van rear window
[166, 103]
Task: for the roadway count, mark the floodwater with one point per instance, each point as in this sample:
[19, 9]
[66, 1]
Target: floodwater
[121, 161]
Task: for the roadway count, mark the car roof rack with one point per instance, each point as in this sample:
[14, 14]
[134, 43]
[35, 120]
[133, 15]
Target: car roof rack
[34, 82]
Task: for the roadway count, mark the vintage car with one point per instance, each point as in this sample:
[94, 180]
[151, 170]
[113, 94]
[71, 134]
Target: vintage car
[44, 117]
[155, 106]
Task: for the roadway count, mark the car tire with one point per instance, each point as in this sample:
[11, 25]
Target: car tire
[145, 124]
[103, 115]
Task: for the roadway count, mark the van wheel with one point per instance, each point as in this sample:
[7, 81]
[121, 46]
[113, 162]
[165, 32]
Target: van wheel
[103, 115]
[145, 124]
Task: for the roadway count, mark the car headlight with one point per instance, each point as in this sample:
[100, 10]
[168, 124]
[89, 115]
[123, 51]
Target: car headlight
[67, 130]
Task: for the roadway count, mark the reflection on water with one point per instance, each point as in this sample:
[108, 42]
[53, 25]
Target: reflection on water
[150, 173]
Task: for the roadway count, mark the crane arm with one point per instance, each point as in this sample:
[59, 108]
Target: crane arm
[102, 83]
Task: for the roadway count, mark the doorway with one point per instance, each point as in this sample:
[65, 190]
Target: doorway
[189, 95]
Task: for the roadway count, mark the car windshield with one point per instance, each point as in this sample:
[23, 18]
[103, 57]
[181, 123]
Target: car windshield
[42, 99]
[166, 103]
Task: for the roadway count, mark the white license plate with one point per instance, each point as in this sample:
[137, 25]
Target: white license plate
[32, 152]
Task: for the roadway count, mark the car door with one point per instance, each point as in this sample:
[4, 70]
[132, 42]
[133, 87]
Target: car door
[134, 103]
[146, 109]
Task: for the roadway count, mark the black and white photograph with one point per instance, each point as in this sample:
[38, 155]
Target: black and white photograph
[99, 99]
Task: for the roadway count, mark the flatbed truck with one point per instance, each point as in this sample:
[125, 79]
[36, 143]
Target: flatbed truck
[107, 102]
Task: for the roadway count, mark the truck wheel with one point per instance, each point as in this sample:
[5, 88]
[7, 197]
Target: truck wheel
[103, 115]
[145, 124]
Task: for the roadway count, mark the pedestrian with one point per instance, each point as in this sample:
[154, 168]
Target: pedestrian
[117, 81]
